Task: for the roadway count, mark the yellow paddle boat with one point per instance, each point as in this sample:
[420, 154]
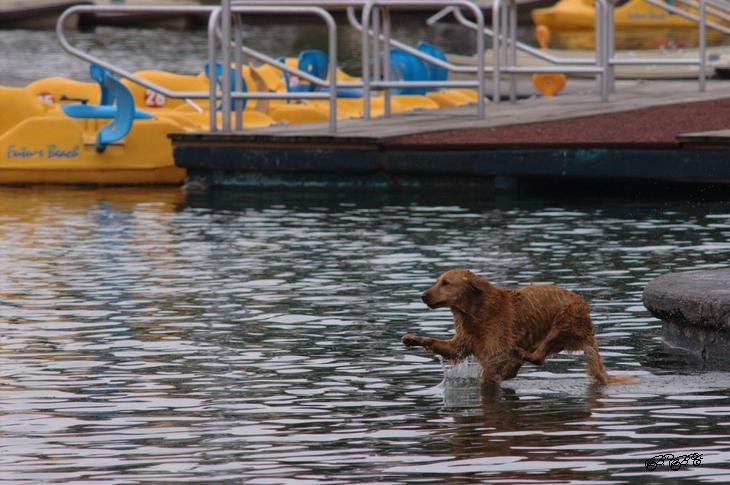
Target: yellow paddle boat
[258, 114]
[109, 143]
[190, 113]
[639, 25]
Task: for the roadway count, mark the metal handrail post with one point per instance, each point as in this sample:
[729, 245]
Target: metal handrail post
[513, 49]
[496, 13]
[376, 42]
[703, 45]
[502, 38]
[386, 59]
[212, 98]
[238, 83]
[610, 45]
[333, 62]
[365, 41]
[503, 45]
[601, 48]
[481, 89]
[225, 64]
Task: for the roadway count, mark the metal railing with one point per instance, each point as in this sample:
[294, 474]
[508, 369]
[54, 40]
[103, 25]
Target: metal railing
[375, 54]
[228, 8]
[216, 16]
[605, 58]
[373, 13]
[702, 24]
[505, 46]
[167, 9]
[415, 52]
[225, 37]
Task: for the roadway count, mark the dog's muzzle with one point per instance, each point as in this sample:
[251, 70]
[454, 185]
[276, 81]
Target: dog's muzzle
[428, 300]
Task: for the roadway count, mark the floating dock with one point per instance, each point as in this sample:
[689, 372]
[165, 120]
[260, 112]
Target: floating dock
[660, 131]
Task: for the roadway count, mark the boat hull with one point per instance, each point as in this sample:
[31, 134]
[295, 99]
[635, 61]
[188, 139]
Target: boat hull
[639, 25]
[54, 149]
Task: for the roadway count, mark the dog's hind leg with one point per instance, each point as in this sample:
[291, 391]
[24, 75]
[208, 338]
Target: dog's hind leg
[544, 348]
[453, 349]
[569, 330]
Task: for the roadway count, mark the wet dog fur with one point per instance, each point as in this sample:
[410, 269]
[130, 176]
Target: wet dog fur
[505, 327]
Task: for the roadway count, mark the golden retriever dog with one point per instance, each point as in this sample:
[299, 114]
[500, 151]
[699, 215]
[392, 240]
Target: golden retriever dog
[504, 327]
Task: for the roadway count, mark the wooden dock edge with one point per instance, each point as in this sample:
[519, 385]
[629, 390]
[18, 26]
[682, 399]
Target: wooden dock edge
[337, 163]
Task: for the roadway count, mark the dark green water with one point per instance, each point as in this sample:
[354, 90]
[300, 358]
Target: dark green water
[149, 336]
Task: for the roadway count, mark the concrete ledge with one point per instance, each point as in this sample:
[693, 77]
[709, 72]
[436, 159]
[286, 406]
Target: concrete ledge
[695, 309]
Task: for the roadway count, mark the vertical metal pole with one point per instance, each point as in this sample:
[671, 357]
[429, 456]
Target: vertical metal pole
[513, 49]
[212, 97]
[597, 44]
[610, 45]
[601, 48]
[376, 43]
[481, 90]
[365, 59]
[703, 46]
[505, 33]
[225, 65]
[332, 39]
[386, 57]
[496, 33]
[599, 39]
[238, 83]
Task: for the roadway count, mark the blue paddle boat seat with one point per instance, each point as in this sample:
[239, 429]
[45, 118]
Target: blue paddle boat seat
[316, 63]
[116, 104]
[407, 67]
[233, 79]
[404, 66]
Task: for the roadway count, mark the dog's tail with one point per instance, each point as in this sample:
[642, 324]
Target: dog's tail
[596, 371]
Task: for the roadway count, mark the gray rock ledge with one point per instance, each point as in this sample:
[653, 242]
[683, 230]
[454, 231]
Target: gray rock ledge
[695, 309]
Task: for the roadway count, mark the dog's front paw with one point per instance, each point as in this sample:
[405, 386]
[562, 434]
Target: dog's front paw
[410, 340]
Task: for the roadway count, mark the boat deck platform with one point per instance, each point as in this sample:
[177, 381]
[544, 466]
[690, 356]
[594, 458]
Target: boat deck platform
[662, 131]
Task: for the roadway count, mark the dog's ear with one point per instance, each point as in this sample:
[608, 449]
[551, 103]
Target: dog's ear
[474, 283]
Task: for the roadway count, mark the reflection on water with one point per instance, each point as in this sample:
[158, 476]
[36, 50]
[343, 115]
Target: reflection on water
[146, 336]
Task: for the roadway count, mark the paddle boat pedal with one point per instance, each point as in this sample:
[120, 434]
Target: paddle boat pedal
[116, 104]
